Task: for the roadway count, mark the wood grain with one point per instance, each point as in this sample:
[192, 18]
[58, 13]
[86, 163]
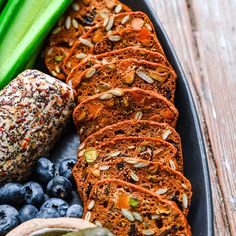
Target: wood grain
[203, 35]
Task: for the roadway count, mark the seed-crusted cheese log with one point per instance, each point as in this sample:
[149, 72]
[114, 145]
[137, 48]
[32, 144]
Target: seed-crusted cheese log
[124, 74]
[34, 108]
[72, 25]
[136, 128]
[117, 105]
[154, 176]
[126, 209]
[125, 53]
[120, 31]
[140, 147]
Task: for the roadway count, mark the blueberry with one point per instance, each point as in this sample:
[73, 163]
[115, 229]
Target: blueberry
[34, 194]
[75, 210]
[27, 212]
[9, 219]
[56, 203]
[44, 170]
[13, 194]
[48, 213]
[59, 187]
[65, 168]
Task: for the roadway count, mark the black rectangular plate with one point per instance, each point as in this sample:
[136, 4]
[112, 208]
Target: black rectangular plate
[195, 159]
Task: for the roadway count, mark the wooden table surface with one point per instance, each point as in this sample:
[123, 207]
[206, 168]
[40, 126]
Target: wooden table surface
[203, 35]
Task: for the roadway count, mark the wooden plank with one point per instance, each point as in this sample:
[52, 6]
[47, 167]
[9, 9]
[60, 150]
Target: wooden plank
[203, 35]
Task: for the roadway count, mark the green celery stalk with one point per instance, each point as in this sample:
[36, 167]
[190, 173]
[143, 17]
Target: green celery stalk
[2, 2]
[25, 34]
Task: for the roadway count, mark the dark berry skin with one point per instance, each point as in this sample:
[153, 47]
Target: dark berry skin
[48, 213]
[59, 187]
[65, 168]
[44, 170]
[75, 210]
[34, 194]
[12, 194]
[9, 219]
[27, 212]
[57, 204]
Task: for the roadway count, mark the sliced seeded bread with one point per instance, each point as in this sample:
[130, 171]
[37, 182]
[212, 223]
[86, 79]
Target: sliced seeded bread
[140, 147]
[125, 53]
[124, 74]
[112, 34]
[81, 15]
[126, 209]
[117, 105]
[154, 176]
[136, 128]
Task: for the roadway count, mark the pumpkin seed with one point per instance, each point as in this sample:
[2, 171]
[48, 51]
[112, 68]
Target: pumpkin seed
[88, 216]
[86, 42]
[144, 76]
[133, 202]
[185, 200]
[127, 214]
[91, 205]
[90, 72]
[90, 155]
[58, 58]
[161, 191]
[166, 134]
[125, 19]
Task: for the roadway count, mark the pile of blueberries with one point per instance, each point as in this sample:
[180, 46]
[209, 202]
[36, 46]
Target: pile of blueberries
[46, 197]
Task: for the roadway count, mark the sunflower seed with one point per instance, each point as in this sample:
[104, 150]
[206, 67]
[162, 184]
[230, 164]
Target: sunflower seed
[88, 216]
[144, 76]
[114, 154]
[131, 160]
[70, 83]
[185, 201]
[56, 30]
[91, 205]
[138, 115]
[137, 216]
[185, 186]
[81, 153]
[81, 146]
[148, 27]
[86, 42]
[134, 177]
[148, 232]
[68, 22]
[90, 155]
[105, 22]
[161, 191]
[75, 6]
[68, 64]
[80, 55]
[118, 8]
[50, 51]
[114, 38]
[105, 96]
[110, 23]
[57, 69]
[166, 134]
[172, 165]
[54, 73]
[125, 19]
[90, 72]
[98, 223]
[104, 168]
[75, 23]
[117, 92]
[127, 214]
[155, 217]
[141, 165]
[131, 147]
